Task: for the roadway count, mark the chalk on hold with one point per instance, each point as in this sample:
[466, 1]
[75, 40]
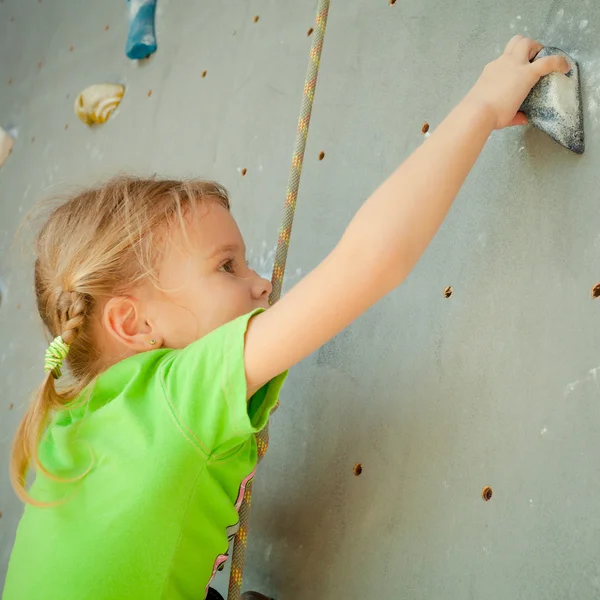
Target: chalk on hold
[141, 39]
[96, 103]
[554, 104]
[6, 145]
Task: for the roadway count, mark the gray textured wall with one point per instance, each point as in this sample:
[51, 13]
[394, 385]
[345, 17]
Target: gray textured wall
[435, 397]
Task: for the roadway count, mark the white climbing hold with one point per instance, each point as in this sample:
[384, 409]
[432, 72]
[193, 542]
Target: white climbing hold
[6, 144]
[95, 104]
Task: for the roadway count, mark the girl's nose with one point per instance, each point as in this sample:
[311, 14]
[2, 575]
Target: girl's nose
[261, 287]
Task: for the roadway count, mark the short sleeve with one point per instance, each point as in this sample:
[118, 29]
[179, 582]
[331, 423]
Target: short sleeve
[205, 388]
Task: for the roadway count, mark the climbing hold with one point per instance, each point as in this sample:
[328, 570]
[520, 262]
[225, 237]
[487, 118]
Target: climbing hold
[141, 39]
[554, 104]
[6, 145]
[256, 19]
[96, 103]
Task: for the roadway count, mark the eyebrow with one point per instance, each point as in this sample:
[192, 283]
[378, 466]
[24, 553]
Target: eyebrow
[224, 249]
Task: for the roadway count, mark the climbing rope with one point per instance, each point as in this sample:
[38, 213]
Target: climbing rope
[283, 244]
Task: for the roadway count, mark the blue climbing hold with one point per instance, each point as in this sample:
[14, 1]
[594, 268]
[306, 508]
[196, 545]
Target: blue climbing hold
[141, 40]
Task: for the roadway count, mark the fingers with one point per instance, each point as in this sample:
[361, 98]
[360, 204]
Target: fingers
[549, 64]
[527, 49]
[519, 119]
[512, 44]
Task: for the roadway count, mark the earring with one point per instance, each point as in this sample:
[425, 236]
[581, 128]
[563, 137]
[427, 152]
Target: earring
[152, 342]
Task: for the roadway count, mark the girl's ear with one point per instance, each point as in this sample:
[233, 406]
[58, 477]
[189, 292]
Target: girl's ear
[124, 318]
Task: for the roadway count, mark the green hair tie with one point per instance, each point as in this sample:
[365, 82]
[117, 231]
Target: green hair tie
[55, 354]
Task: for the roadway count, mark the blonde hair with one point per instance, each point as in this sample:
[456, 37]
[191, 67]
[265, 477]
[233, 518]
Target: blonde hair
[97, 244]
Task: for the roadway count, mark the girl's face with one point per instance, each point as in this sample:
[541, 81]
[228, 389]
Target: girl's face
[204, 280]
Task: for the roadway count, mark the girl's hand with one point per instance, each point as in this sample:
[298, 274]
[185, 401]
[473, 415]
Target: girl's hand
[506, 81]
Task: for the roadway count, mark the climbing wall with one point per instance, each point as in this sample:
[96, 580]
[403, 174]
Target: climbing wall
[444, 445]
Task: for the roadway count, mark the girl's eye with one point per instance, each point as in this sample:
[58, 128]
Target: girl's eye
[228, 266]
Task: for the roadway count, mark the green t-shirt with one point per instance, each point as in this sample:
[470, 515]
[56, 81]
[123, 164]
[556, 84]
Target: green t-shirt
[166, 443]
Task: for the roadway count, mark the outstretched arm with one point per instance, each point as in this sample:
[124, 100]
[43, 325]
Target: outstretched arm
[391, 230]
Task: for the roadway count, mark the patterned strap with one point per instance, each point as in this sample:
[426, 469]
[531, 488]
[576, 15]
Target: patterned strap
[283, 243]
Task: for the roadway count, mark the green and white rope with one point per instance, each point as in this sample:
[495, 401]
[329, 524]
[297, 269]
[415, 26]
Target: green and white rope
[283, 244]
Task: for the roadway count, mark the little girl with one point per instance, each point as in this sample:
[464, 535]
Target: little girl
[175, 363]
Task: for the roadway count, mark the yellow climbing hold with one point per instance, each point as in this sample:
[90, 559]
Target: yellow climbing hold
[96, 103]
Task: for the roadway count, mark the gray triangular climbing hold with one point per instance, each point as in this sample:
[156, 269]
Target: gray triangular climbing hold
[554, 104]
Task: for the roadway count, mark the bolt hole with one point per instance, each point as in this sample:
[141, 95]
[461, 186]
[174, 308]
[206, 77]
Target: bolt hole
[392, 2]
[256, 19]
[448, 292]
[310, 32]
[11, 406]
[204, 74]
[358, 469]
[596, 291]
[321, 155]
[425, 128]
[243, 172]
[149, 93]
[486, 493]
